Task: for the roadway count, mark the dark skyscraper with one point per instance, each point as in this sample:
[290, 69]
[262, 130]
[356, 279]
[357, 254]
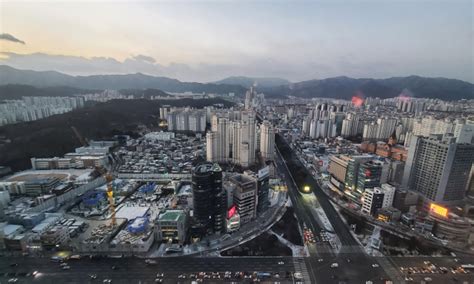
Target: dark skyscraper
[263, 187]
[209, 198]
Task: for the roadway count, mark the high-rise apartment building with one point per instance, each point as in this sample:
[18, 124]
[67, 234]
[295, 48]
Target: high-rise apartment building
[438, 168]
[186, 120]
[267, 140]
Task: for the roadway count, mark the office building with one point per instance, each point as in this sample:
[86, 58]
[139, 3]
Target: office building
[353, 170]
[209, 198]
[263, 188]
[369, 176]
[377, 198]
[245, 196]
[172, 226]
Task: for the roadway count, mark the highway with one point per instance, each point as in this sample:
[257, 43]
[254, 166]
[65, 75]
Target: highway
[302, 210]
[355, 266]
[340, 228]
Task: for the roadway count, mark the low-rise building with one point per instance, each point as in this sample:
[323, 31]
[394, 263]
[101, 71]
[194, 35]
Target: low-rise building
[172, 226]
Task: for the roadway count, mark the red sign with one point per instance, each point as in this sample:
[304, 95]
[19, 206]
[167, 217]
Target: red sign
[231, 211]
[368, 173]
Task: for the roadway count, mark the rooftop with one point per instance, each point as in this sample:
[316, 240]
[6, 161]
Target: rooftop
[171, 215]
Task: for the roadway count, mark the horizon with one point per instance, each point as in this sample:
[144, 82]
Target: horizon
[196, 41]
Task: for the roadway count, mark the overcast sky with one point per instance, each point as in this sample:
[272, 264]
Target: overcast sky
[206, 41]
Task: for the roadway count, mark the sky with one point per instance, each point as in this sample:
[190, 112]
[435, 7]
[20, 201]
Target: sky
[210, 40]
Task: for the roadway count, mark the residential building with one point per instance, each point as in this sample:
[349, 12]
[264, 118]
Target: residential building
[438, 168]
[267, 140]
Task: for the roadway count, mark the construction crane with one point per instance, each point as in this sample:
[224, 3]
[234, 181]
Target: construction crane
[110, 196]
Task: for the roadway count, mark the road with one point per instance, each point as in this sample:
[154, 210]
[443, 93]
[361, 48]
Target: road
[354, 264]
[134, 270]
[302, 210]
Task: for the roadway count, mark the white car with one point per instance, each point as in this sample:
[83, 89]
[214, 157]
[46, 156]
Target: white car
[375, 265]
[335, 265]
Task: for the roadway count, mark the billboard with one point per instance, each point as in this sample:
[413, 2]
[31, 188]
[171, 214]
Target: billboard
[264, 172]
[231, 212]
[438, 210]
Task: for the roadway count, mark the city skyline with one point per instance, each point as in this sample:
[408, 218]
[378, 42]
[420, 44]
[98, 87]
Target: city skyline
[194, 141]
[207, 41]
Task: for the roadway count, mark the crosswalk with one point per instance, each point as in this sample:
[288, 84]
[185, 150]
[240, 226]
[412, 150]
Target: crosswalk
[390, 269]
[300, 266]
[350, 249]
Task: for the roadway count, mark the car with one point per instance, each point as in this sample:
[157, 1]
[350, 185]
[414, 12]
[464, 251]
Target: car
[320, 260]
[334, 265]
[34, 273]
[12, 280]
[281, 262]
[13, 264]
[158, 280]
[160, 275]
[62, 264]
[150, 262]
[66, 267]
[114, 267]
[375, 265]
[107, 281]
[93, 276]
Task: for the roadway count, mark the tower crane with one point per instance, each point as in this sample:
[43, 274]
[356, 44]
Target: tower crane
[110, 196]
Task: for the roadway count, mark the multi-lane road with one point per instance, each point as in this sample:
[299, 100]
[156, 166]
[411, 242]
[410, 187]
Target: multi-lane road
[354, 265]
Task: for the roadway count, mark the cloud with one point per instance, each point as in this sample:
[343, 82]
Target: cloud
[145, 58]
[9, 37]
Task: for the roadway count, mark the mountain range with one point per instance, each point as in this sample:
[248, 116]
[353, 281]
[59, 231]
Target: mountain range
[336, 87]
[345, 88]
[10, 75]
[247, 82]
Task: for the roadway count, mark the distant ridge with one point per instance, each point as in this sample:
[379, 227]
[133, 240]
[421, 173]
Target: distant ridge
[263, 82]
[345, 87]
[336, 87]
[10, 75]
